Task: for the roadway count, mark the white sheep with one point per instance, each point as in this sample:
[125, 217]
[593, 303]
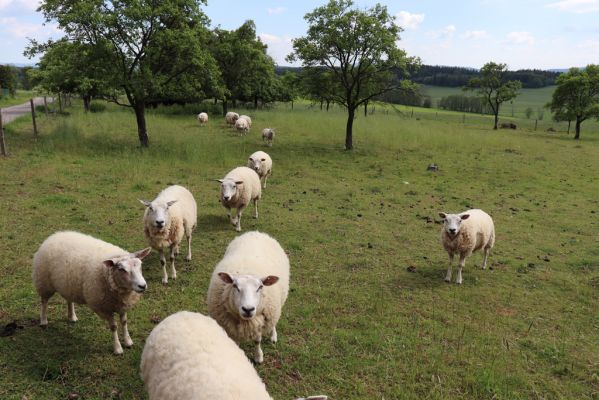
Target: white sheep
[166, 219]
[189, 356]
[240, 186]
[262, 164]
[202, 118]
[86, 270]
[242, 126]
[464, 234]
[268, 135]
[231, 117]
[248, 289]
[247, 118]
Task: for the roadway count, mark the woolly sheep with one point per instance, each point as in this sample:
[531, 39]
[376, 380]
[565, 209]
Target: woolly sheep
[86, 270]
[202, 118]
[247, 118]
[203, 363]
[268, 135]
[248, 289]
[242, 126]
[464, 234]
[262, 164]
[240, 186]
[231, 117]
[166, 219]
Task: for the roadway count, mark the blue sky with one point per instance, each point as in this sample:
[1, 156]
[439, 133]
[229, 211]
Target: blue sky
[524, 34]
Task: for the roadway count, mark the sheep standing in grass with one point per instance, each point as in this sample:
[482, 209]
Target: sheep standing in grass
[189, 356]
[242, 126]
[464, 234]
[86, 270]
[231, 118]
[262, 164]
[247, 118]
[202, 118]
[248, 289]
[167, 219]
[268, 135]
[240, 186]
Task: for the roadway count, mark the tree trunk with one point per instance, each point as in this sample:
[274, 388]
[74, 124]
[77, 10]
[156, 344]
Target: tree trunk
[255, 102]
[86, 103]
[328, 103]
[292, 104]
[60, 102]
[365, 108]
[577, 129]
[321, 102]
[496, 119]
[349, 145]
[215, 101]
[225, 107]
[569, 126]
[140, 116]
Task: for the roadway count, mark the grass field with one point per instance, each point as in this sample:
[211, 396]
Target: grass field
[20, 97]
[357, 324]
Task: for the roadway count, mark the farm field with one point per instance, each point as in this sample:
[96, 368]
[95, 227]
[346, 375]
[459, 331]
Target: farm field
[21, 97]
[358, 324]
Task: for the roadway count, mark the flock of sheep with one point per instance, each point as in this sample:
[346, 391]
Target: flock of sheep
[189, 355]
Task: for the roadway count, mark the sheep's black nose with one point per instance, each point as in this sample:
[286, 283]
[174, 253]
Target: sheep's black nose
[452, 231]
[159, 223]
[248, 310]
[142, 287]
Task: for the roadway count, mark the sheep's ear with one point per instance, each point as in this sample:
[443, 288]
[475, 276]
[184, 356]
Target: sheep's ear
[218, 180]
[109, 263]
[270, 280]
[442, 215]
[144, 202]
[142, 253]
[238, 182]
[465, 216]
[170, 203]
[225, 277]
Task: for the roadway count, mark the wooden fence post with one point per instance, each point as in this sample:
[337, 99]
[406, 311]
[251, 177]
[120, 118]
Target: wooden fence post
[46, 106]
[2, 145]
[33, 117]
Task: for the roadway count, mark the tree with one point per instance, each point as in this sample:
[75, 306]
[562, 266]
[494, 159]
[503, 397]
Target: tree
[155, 47]
[359, 48]
[528, 112]
[8, 79]
[289, 87]
[576, 96]
[493, 87]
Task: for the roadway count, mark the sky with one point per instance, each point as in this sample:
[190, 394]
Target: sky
[543, 34]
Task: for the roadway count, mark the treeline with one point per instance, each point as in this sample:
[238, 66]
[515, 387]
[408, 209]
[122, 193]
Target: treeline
[460, 102]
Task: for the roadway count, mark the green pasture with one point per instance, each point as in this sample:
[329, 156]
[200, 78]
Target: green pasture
[20, 97]
[358, 323]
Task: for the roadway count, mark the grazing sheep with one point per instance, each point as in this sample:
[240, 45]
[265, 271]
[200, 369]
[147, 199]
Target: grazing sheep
[247, 118]
[167, 218]
[86, 270]
[202, 118]
[189, 356]
[231, 118]
[248, 289]
[240, 186]
[464, 234]
[268, 135]
[507, 125]
[262, 164]
[242, 126]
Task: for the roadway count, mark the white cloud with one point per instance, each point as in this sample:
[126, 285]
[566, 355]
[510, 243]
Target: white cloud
[519, 38]
[576, 6]
[445, 33]
[408, 20]
[592, 45]
[278, 46]
[22, 30]
[269, 39]
[475, 34]
[26, 4]
[276, 10]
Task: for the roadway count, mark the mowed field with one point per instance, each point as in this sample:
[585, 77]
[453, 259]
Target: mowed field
[357, 324]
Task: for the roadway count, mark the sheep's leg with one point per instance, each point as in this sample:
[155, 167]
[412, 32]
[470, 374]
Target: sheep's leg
[172, 260]
[265, 178]
[237, 220]
[273, 335]
[71, 313]
[255, 208]
[461, 265]
[229, 212]
[258, 355]
[448, 275]
[188, 258]
[118, 349]
[485, 255]
[128, 341]
[44, 312]
[163, 263]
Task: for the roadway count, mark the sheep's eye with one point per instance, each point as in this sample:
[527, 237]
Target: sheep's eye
[260, 288]
[236, 287]
[122, 269]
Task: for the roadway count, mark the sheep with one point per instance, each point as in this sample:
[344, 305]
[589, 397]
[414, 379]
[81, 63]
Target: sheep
[231, 117]
[86, 270]
[202, 118]
[262, 164]
[189, 356]
[242, 126]
[464, 234]
[268, 135]
[166, 219]
[248, 289]
[240, 186]
[247, 118]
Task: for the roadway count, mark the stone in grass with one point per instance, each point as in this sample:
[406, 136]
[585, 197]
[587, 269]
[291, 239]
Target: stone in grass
[432, 167]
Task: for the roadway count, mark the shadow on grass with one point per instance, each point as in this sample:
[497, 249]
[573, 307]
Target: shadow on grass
[215, 222]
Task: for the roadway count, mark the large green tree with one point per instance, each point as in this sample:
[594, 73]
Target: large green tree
[8, 79]
[576, 96]
[359, 48]
[156, 47]
[493, 87]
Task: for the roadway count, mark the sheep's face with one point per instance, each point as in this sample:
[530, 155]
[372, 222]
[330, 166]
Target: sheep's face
[157, 213]
[127, 270]
[256, 164]
[246, 292]
[228, 188]
[452, 222]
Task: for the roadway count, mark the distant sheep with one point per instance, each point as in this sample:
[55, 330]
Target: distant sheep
[268, 135]
[262, 164]
[240, 186]
[248, 289]
[189, 356]
[507, 125]
[247, 118]
[242, 126]
[464, 234]
[202, 118]
[231, 117]
[167, 218]
[86, 270]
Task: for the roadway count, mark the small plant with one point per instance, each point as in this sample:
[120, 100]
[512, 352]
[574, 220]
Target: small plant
[97, 107]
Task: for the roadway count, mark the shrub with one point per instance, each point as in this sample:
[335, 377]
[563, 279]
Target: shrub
[97, 107]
